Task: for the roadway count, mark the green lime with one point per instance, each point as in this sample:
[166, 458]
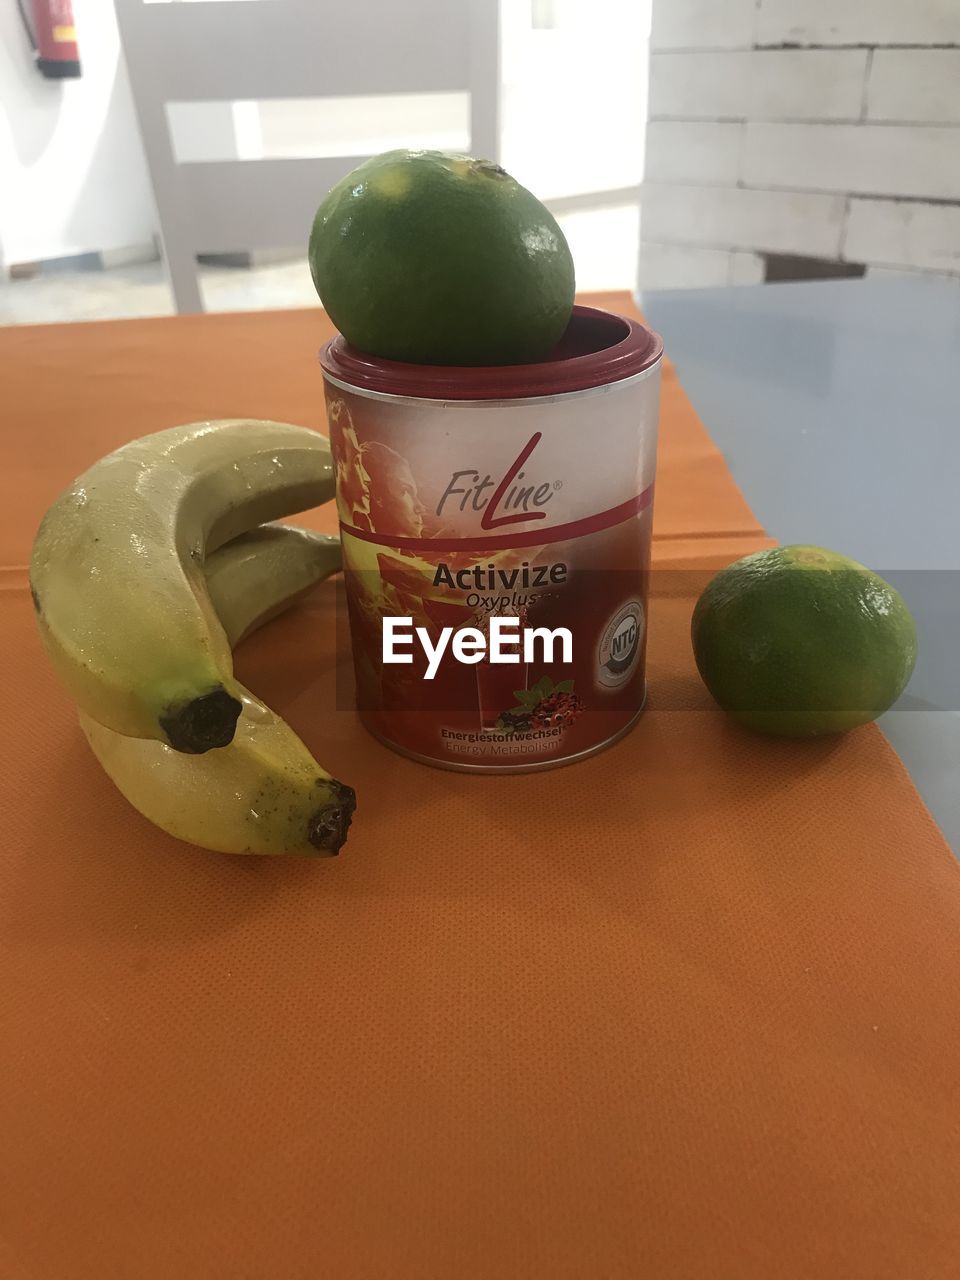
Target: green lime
[441, 259]
[801, 641]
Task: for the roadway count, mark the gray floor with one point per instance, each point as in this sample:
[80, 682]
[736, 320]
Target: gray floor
[141, 290]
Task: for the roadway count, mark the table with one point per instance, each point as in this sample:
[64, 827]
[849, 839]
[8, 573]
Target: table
[686, 1009]
[835, 406]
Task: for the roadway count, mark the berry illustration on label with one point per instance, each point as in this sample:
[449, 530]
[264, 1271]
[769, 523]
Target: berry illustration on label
[545, 706]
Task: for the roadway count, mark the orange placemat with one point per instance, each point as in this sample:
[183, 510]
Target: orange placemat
[684, 1011]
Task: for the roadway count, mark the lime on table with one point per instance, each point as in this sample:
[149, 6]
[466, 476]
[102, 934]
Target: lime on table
[436, 258]
[801, 641]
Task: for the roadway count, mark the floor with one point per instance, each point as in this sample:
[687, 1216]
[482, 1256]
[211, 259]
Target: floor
[603, 242]
[142, 290]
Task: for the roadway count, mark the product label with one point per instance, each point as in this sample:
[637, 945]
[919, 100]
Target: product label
[496, 558]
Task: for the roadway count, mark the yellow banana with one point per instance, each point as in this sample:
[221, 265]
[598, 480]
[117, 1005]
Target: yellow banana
[264, 793]
[257, 576]
[117, 570]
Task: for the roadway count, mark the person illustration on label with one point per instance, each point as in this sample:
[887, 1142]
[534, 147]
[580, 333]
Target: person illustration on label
[393, 500]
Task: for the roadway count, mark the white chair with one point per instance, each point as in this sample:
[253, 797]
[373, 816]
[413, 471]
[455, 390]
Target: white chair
[236, 50]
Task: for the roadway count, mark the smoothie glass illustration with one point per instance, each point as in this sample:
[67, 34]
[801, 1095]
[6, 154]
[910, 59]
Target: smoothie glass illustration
[498, 682]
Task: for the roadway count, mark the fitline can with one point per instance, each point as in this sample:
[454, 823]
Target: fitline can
[519, 492]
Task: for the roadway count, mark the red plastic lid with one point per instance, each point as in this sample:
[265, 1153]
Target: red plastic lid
[598, 348]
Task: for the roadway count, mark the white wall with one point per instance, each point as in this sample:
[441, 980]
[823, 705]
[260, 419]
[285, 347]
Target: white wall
[804, 127]
[574, 115]
[72, 174]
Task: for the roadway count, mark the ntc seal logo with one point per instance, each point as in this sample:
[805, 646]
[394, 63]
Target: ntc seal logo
[619, 645]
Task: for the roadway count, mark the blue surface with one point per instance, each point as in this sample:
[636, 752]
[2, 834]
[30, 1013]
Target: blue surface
[837, 407]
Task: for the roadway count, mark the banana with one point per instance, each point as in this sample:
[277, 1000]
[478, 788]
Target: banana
[262, 573]
[264, 793]
[117, 570]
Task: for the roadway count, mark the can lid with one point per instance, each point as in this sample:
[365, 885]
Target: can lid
[598, 347]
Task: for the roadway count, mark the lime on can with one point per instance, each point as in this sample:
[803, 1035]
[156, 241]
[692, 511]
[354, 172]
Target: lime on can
[435, 258]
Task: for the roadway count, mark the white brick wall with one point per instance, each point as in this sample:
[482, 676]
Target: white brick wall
[819, 84]
[732, 217]
[699, 86]
[677, 266]
[801, 127]
[904, 233]
[896, 160]
[915, 84]
[688, 151]
[758, 85]
[746, 268]
[705, 86]
[839, 22]
[905, 273]
[703, 24]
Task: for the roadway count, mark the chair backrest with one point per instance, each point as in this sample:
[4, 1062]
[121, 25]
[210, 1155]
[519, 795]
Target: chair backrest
[236, 50]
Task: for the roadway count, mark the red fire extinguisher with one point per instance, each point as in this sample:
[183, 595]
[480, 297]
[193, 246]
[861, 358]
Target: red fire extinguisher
[53, 37]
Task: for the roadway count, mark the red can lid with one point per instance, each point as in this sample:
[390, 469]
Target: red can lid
[598, 347]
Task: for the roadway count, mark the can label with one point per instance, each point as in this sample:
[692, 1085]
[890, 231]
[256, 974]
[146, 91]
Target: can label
[458, 516]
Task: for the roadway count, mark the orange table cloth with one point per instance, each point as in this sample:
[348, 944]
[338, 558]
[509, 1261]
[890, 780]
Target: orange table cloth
[685, 1011]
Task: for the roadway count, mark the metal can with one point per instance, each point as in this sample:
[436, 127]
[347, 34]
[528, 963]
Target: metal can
[499, 512]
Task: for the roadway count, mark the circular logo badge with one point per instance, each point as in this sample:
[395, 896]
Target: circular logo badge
[619, 646]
